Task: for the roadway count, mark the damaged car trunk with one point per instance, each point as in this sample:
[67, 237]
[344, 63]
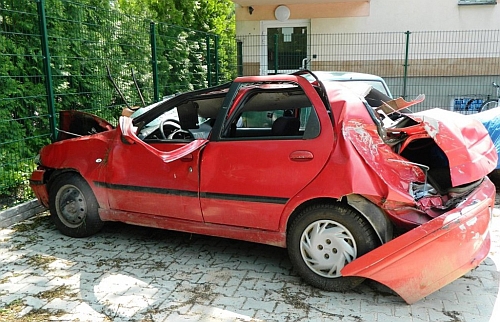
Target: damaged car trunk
[439, 159]
[436, 157]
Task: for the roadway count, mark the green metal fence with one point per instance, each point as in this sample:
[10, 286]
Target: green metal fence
[54, 56]
[451, 67]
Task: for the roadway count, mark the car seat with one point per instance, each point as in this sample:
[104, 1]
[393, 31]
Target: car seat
[286, 126]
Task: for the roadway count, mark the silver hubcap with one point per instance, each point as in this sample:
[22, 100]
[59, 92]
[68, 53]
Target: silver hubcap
[326, 247]
[71, 206]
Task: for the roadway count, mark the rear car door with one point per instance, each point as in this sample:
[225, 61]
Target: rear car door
[275, 139]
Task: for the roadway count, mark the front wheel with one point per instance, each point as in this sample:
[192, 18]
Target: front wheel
[324, 238]
[488, 105]
[73, 206]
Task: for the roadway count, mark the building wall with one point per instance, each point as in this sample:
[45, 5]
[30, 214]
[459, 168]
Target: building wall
[378, 16]
[426, 54]
[454, 50]
[421, 15]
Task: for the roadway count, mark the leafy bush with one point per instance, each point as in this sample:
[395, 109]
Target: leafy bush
[84, 38]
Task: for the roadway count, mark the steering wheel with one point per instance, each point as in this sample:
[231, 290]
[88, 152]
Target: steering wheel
[181, 134]
[177, 123]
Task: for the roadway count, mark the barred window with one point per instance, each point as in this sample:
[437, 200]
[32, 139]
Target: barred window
[466, 2]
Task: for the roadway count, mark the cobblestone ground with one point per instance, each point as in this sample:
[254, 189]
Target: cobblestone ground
[128, 273]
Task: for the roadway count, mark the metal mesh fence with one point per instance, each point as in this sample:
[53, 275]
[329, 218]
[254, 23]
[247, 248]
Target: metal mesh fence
[22, 128]
[455, 69]
[55, 55]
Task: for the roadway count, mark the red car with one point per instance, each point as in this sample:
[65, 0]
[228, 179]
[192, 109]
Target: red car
[334, 172]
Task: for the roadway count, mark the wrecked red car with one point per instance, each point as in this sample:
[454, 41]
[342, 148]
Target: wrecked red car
[336, 173]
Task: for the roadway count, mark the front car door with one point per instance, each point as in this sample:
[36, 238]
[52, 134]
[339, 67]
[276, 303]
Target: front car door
[153, 167]
[153, 177]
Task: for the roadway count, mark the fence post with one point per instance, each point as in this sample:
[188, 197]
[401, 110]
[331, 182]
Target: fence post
[276, 54]
[209, 62]
[405, 76]
[49, 86]
[154, 60]
[239, 57]
[216, 59]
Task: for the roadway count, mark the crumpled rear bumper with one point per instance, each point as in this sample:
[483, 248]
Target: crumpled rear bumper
[434, 254]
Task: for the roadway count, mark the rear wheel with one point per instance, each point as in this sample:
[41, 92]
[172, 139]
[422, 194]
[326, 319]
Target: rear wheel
[323, 239]
[73, 206]
[488, 105]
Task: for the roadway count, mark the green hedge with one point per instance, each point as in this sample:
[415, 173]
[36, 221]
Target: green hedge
[83, 39]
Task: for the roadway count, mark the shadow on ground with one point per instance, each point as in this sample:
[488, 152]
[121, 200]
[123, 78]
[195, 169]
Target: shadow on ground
[134, 273]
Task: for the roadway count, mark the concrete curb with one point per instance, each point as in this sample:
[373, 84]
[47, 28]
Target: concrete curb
[20, 212]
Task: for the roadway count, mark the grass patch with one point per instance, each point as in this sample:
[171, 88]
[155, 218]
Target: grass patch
[59, 292]
[41, 261]
[10, 313]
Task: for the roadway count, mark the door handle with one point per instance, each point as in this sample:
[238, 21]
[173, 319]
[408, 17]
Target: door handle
[301, 155]
[187, 158]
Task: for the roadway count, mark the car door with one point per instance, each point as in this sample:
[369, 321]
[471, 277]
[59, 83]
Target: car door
[249, 172]
[159, 179]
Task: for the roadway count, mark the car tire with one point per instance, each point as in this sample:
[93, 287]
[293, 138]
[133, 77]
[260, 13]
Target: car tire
[324, 238]
[73, 206]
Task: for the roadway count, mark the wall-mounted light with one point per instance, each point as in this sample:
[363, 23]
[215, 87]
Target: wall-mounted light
[282, 13]
[250, 10]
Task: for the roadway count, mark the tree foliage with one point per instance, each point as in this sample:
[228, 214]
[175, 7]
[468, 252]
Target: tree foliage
[187, 42]
[22, 90]
[211, 16]
[84, 38]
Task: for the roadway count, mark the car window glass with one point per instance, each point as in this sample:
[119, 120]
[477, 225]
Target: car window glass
[378, 86]
[180, 123]
[190, 119]
[268, 114]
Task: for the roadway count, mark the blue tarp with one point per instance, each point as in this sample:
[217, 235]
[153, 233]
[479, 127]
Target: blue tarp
[491, 121]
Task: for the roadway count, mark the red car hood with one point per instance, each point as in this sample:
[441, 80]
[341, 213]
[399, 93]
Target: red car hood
[76, 123]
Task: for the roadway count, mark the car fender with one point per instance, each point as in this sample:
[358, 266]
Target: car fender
[86, 155]
[374, 215]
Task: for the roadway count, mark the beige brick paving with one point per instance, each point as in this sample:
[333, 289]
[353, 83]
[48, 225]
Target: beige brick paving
[128, 273]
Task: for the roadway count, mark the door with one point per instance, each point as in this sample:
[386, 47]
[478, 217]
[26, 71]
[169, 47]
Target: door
[285, 48]
[273, 146]
[156, 178]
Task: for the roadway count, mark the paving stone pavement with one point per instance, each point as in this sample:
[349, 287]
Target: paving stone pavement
[129, 273]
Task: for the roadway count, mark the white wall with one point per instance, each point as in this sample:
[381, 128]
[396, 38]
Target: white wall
[403, 15]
